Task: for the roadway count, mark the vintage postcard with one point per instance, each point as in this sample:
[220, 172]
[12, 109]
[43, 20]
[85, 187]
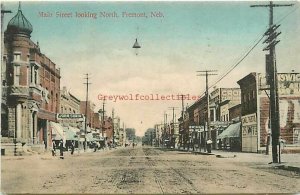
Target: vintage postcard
[158, 97]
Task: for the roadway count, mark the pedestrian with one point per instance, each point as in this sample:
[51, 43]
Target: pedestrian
[61, 149]
[72, 147]
[220, 144]
[53, 148]
[95, 146]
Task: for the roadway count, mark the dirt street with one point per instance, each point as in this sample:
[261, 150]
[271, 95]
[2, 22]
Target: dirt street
[142, 170]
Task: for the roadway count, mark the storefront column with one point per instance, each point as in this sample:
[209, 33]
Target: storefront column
[34, 127]
[18, 120]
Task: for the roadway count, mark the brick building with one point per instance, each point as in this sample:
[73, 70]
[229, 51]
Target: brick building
[221, 100]
[30, 86]
[90, 112]
[69, 104]
[255, 110]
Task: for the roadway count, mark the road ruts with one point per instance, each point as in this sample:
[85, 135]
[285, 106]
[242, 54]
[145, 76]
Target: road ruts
[169, 179]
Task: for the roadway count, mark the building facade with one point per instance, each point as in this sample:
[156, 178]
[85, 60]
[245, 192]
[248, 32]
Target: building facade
[87, 108]
[256, 127]
[69, 104]
[30, 86]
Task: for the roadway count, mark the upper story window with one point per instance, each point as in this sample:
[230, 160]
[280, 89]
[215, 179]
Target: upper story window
[17, 57]
[34, 78]
[17, 75]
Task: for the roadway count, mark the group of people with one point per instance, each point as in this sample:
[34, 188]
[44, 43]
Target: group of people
[61, 148]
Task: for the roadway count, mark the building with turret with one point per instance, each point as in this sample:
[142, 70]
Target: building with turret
[30, 89]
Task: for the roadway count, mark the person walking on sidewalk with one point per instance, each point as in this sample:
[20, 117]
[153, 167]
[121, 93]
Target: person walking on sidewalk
[72, 147]
[61, 149]
[53, 148]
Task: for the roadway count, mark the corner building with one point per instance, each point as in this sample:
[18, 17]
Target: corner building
[256, 127]
[30, 89]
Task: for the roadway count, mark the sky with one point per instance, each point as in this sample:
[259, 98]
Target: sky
[188, 37]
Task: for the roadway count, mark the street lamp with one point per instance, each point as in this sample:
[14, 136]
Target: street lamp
[136, 46]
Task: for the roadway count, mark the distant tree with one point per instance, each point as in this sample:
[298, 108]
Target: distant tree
[130, 134]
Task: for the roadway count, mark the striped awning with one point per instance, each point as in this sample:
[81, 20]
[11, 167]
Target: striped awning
[57, 131]
[232, 130]
[70, 134]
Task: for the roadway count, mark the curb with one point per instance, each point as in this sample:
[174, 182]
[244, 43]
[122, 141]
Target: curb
[288, 168]
[203, 153]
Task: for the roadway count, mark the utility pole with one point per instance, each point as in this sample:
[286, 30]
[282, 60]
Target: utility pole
[271, 72]
[124, 134]
[3, 11]
[208, 140]
[165, 126]
[103, 113]
[113, 126]
[173, 127]
[86, 105]
[3, 66]
[182, 113]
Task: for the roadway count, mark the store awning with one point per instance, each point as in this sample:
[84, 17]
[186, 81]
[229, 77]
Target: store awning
[70, 134]
[75, 130]
[89, 137]
[57, 131]
[232, 130]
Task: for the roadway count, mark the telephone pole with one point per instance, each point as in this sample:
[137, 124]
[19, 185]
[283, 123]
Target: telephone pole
[113, 125]
[182, 126]
[86, 105]
[3, 66]
[208, 73]
[103, 113]
[271, 77]
[3, 12]
[173, 128]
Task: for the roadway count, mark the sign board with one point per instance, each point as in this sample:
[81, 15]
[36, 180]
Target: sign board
[289, 83]
[69, 116]
[249, 133]
[196, 128]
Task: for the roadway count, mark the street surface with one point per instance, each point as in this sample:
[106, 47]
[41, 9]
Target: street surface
[142, 170]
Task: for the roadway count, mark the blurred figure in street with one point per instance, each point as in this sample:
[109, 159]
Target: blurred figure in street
[133, 145]
[72, 147]
[219, 144]
[53, 148]
[61, 149]
[95, 146]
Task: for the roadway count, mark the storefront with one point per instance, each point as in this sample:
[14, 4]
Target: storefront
[249, 133]
[230, 138]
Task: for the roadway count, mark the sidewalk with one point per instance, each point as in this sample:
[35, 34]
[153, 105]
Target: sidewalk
[47, 155]
[289, 161]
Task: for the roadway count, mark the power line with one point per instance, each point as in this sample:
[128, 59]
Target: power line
[247, 53]
[280, 20]
[272, 78]
[207, 73]
[235, 65]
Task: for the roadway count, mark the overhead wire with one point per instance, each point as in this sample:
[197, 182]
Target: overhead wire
[247, 53]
